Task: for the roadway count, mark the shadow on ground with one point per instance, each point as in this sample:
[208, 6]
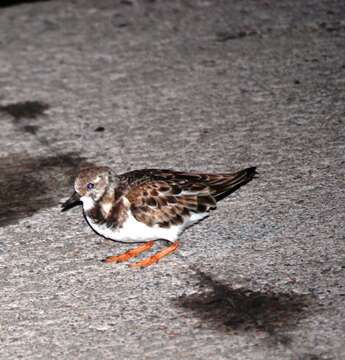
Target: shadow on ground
[6, 3]
[24, 112]
[28, 184]
[26, 109]
[229, 309]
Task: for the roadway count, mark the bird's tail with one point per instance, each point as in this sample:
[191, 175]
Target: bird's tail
[221, 185]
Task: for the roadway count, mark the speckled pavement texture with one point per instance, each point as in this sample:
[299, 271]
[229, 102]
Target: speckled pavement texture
[190, 85]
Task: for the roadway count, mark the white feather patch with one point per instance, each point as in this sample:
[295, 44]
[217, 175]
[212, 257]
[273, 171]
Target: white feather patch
[133, 230]
[88, 203]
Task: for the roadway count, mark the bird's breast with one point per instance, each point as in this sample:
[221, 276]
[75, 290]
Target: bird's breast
[133, 230]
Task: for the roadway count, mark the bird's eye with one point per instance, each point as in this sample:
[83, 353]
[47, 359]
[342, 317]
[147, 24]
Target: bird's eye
[90, 186]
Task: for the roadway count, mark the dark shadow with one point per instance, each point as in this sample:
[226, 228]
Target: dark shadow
[31, 129]
[24, 114]
[6, 3]
[29, 184]
[25, 110]
[229, 309]
[226, 36]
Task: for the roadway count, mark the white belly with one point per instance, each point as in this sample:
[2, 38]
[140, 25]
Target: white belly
[133, 230]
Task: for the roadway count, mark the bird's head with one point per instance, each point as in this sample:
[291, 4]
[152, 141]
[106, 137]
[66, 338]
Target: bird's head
[90, 185]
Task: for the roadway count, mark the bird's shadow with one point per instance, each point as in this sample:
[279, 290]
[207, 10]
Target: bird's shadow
[225, 308]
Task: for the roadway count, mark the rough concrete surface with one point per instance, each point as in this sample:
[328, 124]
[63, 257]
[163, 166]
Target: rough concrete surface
[193, 85]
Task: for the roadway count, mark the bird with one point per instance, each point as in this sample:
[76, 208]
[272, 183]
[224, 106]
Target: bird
[147, 205]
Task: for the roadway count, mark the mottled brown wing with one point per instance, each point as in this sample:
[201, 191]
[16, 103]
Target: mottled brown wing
[189, 180]
[221, 185]
[166, 197]
[163, 203]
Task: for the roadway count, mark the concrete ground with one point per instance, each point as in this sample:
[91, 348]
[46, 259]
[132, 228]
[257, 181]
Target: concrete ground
[194, 85]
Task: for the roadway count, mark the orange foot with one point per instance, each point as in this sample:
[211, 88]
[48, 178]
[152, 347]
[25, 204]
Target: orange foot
[129, 254]
[156, 257]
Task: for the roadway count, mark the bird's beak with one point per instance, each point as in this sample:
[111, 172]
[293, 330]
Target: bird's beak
[71, 202]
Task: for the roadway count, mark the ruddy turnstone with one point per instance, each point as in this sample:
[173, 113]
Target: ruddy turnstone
[142, 206]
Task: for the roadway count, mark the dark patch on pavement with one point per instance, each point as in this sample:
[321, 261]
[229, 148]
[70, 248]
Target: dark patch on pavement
[25, 110]
[31, 129]
[126, 2]
[28, 184]
[224, 36]
[6, 3]
[311, 357]
[24, 114]
[99, 129]
[332, 26]
[119, 21]
[241, 309]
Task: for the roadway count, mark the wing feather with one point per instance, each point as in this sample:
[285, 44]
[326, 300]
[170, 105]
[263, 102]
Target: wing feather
[166, 197]
[166, 204]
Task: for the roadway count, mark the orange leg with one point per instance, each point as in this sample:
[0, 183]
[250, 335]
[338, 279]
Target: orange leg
[156, 257]
[129, 254]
